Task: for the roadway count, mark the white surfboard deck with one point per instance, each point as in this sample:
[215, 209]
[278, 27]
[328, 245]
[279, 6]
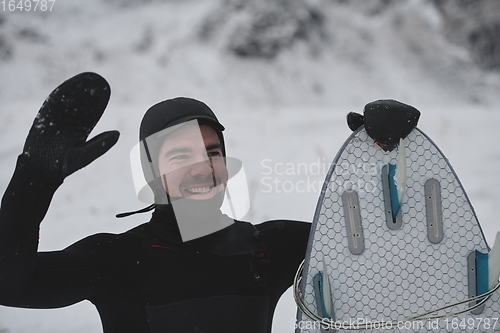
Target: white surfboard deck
[399, 273]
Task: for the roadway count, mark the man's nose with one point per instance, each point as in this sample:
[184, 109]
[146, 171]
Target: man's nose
[202, 166]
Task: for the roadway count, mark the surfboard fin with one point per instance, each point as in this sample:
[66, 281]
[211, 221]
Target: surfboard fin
[494, 262]
[488, 268]
[323, 292]
[397, 180]
[394, 187]
[327, 299]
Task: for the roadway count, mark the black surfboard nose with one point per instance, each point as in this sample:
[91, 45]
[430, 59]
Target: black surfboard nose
[388, 121]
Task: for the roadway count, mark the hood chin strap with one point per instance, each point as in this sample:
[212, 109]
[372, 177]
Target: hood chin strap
[143, 210]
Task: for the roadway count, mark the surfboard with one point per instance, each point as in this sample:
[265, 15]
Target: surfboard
[395, 237]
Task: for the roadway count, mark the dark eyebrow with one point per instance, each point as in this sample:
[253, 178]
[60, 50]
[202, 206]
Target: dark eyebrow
[213, 146]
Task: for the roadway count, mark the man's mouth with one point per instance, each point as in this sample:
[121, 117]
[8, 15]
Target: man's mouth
[202, 191]
[198, 190]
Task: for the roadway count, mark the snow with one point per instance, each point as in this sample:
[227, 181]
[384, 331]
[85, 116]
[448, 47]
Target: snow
[282, 112]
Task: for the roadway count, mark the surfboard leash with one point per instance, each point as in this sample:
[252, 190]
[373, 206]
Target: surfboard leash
[389, 323]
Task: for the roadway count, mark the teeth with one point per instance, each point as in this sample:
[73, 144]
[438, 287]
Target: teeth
[199, 189]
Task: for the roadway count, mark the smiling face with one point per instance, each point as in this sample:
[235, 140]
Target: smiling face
[191, 163]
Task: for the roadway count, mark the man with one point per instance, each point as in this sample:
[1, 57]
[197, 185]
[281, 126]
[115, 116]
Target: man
[164, 275]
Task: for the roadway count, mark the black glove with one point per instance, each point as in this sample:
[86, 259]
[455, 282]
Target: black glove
[57, 142]
[385, 121]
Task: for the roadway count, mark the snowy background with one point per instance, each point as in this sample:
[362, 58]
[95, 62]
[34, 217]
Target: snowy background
[280, 75]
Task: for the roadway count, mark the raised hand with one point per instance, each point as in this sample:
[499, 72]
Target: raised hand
[57, 142]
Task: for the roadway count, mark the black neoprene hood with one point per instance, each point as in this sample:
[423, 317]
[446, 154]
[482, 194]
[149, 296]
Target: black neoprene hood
[176, 111]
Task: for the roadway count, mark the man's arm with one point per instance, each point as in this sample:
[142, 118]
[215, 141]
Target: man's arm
[56, 146]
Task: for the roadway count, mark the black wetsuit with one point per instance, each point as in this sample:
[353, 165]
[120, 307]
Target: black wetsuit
[146, 279]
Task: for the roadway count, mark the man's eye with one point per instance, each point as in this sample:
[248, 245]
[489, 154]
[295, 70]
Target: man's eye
[179, 157]
[214, 153]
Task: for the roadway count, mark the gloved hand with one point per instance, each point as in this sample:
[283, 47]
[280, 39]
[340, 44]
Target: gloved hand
[386, 121]
[57, 144]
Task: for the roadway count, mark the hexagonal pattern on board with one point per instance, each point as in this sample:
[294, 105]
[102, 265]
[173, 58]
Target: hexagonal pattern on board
[400, 273]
